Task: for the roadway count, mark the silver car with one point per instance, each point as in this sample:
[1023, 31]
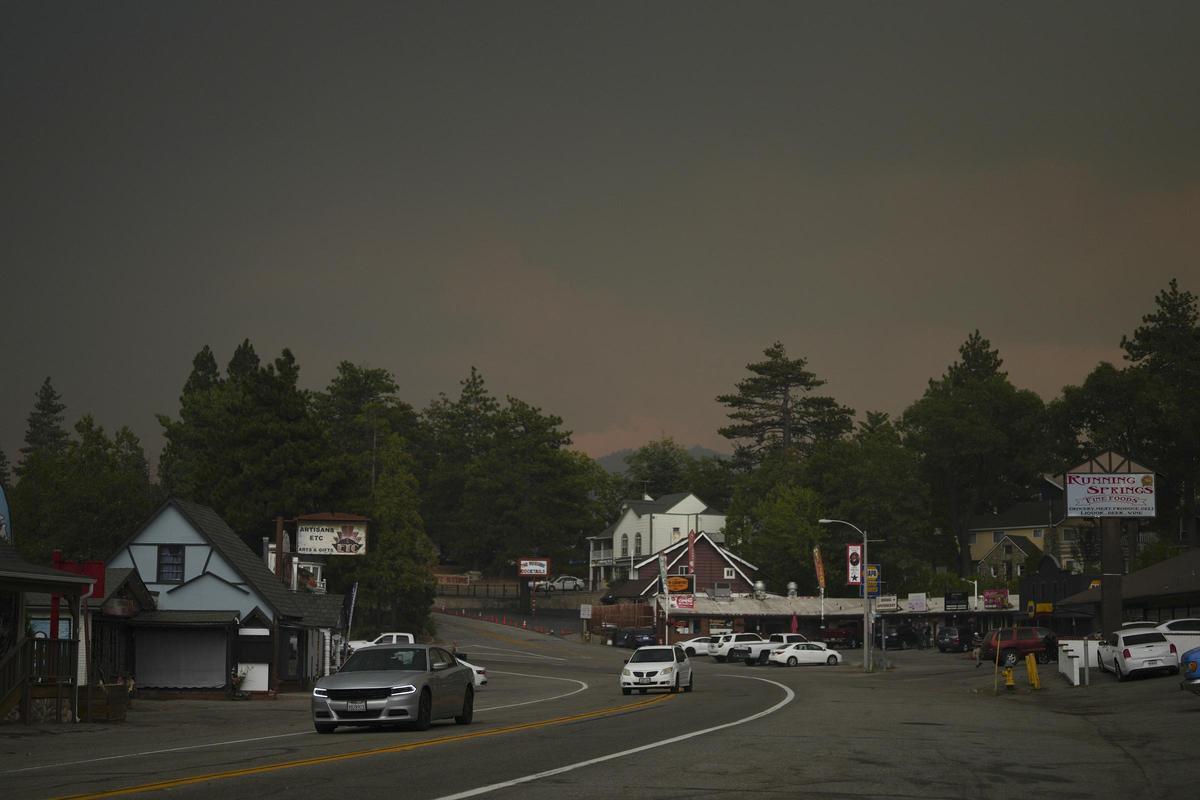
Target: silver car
[390, 684]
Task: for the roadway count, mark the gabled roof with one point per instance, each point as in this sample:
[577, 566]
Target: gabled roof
[1022, 543]
[118, 578]
[320, 610]
[216, 531]
[677, 551]
[664, 504]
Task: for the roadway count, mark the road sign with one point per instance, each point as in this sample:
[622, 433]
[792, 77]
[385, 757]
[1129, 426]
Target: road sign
[585, 611]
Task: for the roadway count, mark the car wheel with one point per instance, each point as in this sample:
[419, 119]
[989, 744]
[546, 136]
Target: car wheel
[1009, 658]
[468, 709]
[691, 680]
[1121, 676]
[324, 727]
[1043, 657]
[625, 691]
[675, 688]
[424, 712]
[792, 661]
[691, 651]
[831, 661]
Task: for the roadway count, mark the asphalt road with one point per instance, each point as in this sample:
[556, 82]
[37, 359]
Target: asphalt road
[553, 723]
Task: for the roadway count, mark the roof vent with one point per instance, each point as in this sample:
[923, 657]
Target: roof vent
[791, 589]
[760, 590]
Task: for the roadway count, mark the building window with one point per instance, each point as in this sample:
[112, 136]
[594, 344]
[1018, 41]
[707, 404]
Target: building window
[1018, 570]
[997, 536]
[1038, 532]
[624, 545]
[993, 570]
[170, 563]
[637, 544]
[1008, 549]
[729, 573]
[675, 534]
[684, 570]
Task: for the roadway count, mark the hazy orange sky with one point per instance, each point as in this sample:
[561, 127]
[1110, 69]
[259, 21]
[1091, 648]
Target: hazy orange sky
[608, 208]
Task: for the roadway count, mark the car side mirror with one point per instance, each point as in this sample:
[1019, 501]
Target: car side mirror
[627, 661]
[438, 666]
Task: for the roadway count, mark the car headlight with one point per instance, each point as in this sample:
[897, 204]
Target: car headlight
[626, 673]
[406, 689]
[668, 670]
[319, 692]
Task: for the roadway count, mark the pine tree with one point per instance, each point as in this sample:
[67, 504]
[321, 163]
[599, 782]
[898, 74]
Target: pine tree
[45, 432]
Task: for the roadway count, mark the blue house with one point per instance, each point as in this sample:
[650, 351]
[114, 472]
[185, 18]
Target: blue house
[221, 616]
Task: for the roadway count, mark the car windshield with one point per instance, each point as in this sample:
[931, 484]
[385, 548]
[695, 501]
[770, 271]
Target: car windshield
[402, 658]
[1145, 638]
[653, 654]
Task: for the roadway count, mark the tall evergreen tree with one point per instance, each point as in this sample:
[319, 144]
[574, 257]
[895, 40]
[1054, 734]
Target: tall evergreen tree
[5, 469]
[979, 439]
[44, 432]
[774, 409]
[1167, 347]
[660, 467]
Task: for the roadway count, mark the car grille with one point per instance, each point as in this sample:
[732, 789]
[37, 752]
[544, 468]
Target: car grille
[649, 674]
[359, 694]
[359, 714]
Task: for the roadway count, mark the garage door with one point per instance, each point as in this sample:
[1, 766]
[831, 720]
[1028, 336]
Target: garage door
[181, 659]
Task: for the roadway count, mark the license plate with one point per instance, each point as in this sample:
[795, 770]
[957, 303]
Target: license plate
[356, 705]
[1152, 662]
[643, 680]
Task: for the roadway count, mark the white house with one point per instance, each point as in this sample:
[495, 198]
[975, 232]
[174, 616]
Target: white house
[646, 526]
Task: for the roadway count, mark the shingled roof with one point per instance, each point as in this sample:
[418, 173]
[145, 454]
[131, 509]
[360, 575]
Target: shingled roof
[208, 523]
[1175, 576]
[25, 576]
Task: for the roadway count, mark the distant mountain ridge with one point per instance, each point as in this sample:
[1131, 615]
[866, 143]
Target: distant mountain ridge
[615, 462]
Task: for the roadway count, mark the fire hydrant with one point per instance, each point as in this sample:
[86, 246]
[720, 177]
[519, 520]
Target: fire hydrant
[1009, 683]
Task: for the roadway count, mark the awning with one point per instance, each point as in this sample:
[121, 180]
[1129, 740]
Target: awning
[182, 618]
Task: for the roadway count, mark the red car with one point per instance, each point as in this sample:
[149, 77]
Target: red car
[1016, 643]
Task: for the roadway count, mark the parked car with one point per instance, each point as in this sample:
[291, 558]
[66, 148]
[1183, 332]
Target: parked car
[1137, 650]
[481, 678]
[391, 637]
[719, 648]
[563, 583]
[759, 652]
[1016, 643]
[953, 637]
[1189, 665]
[657, 668]
[842, 637]
[388, 684]
[634, 637]
[805, 653]
[898, 637]
[1183, 633]
[697, 646]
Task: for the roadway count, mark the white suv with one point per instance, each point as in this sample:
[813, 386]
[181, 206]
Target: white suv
[719, 648]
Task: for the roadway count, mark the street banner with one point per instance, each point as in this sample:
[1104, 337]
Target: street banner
[854, 564]
[819, 566]
[5, 519]
[872, 573]
[692, 551]
[1113, 494]
[662, 571]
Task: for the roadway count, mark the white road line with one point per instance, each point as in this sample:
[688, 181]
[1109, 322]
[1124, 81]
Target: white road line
[789, 695]
[582, 687]
[154, 752]
[469, 647]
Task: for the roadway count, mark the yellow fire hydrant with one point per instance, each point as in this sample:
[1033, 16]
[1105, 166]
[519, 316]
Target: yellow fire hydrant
[1009, 683]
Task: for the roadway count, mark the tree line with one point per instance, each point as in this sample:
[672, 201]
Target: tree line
[479, 481]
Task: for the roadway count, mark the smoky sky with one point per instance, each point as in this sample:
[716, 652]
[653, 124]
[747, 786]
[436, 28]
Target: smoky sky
[608, 208]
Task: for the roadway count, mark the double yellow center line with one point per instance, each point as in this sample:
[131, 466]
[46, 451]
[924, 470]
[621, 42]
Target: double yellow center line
[399, 748]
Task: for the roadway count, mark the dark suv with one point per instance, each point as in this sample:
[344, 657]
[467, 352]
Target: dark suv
[1016, 643]
[899, 637]
[955, 638]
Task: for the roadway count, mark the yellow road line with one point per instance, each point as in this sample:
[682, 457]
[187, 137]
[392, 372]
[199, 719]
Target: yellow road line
[399, 748]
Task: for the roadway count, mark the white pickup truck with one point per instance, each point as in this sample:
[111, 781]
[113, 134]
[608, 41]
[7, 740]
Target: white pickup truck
[719, 647]
[759, 652]
[383, 638]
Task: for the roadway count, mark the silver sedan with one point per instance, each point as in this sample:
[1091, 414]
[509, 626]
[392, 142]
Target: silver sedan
[390, 684]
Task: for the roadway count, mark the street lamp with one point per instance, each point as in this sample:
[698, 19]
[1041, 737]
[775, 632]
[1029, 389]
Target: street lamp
[866, 602]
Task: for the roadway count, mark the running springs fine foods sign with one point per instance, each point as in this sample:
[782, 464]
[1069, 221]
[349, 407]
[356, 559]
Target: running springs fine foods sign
[1110, 494]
